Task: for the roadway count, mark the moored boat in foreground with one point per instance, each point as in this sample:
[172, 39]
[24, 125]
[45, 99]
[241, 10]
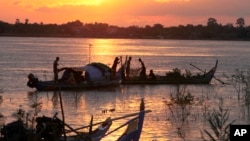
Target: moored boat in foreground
[174, 77]
[55, 129]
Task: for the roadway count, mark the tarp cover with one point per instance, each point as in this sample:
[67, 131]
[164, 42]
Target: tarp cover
[96, 71]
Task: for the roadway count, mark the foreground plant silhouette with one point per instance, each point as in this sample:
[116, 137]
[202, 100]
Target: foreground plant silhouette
[219, 123]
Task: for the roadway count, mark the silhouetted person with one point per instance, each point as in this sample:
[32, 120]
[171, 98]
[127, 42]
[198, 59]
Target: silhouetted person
[56, 70]
[151, 75]
[143, 74]
[128, 67]
[114, 66]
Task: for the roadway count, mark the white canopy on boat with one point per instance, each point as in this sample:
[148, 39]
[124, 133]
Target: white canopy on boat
[95, 71]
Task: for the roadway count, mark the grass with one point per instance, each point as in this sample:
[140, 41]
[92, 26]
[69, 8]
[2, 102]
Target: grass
[219, 125]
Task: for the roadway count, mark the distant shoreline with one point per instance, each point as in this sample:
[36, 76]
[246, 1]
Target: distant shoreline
[70, 36]
[76, 29]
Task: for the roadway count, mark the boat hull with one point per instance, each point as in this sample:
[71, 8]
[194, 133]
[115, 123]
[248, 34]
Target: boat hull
[177, 79]
[51, 86]
[165, 80]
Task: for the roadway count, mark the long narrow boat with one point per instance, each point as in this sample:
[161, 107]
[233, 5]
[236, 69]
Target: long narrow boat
[174, 77]
[95, 135]
[52, 129]
[94, 75]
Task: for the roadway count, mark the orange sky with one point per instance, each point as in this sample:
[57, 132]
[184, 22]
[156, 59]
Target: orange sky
[125, 12]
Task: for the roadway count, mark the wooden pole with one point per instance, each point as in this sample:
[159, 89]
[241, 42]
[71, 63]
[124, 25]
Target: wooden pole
[89, 53]
[91, 123]
[72, 129]
[63, 119]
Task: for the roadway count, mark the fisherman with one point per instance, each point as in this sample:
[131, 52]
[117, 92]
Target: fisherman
[114, 66]
[128, 67]
[151, 75]
[56, 70]
[143, 74]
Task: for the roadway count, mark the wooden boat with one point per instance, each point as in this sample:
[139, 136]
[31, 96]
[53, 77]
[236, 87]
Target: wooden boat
[91, 76]
[132, 132]
[50, 129]
[95, 135]
[175, 77]
[134, 125]
[53, 129]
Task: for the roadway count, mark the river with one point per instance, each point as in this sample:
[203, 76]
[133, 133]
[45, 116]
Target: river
[20, 56]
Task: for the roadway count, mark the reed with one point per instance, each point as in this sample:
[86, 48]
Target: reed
[180, 107]
[30, 116]
[219, 125]
[241, 82]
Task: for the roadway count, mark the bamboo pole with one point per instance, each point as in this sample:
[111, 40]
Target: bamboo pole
[71, 129]
[205, 72]
[114, 119]
[63, 119]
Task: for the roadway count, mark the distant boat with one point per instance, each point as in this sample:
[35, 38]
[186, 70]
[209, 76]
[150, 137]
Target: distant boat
[94, 75]
[174, 77]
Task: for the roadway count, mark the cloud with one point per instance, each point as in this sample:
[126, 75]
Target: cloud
[16, 3]
[190, 8]
[129, 12]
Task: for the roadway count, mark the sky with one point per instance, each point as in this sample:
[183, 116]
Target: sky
[126, 13]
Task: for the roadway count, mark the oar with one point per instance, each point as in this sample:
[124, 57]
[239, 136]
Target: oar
[198, 68]
[205, 72]
[114, 119]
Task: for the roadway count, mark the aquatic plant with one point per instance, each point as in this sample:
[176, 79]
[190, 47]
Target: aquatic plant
[180, 101]
[180, 105]
[219, 123]
[241, 82]
[24, 116]
[19, 114]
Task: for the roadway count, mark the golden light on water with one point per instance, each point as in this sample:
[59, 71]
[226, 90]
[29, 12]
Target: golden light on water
[103, 51]
[103, 47]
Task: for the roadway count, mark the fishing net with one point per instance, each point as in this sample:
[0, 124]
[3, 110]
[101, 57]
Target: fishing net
[134, 72]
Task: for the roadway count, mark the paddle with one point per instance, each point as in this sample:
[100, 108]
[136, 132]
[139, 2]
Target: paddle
[205, 72]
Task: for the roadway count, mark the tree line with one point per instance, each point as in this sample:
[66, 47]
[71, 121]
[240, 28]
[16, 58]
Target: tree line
[211, 31]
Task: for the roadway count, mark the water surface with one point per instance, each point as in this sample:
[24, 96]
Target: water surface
[21, 56]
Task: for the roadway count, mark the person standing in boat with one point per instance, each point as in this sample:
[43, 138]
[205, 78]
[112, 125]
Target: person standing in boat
[114, 66]
[128, 67]
[56, 70]
[143, 74]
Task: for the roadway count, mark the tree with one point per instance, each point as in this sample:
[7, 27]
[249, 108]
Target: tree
[17, 21]
[240, 22]
[211, 21]
[26, 21]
